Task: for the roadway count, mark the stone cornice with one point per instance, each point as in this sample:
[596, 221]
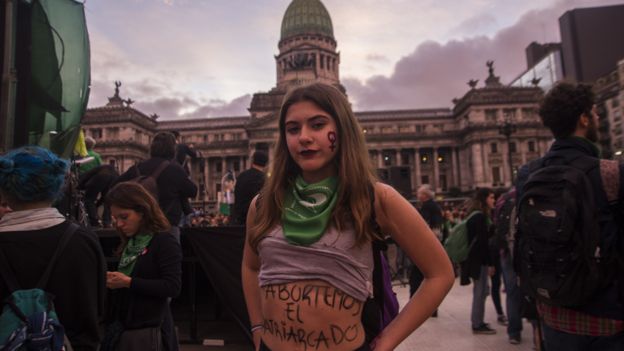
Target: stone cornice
[117, 115]
[419, 137]
[123, 143]
[226, 144]
[312, 37]
[497, 96]
[415, 114]
[204, 123]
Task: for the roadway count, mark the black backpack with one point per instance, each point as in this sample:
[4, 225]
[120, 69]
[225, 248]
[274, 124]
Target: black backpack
[29, 320]
[149, 182]
[558, 245]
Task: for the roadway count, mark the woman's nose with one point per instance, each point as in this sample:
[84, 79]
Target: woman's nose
[305, 137]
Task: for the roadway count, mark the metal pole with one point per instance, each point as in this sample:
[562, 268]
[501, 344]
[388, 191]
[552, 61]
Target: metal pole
[509, 154]
[9, 79]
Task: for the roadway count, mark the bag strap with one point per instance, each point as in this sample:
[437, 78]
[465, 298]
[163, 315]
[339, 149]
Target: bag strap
[377, 246]
[67, 235]
[7, 276]
[159, 170]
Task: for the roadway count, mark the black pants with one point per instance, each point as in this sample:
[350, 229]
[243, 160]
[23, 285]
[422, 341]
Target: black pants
[364, 347]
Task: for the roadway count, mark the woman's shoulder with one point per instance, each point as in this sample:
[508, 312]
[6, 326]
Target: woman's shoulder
[385, 195]
[163, 237]
[383, 191]
[476, 216]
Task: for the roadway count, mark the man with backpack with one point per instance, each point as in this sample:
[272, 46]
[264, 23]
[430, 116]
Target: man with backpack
[569, 240]
[165, 179]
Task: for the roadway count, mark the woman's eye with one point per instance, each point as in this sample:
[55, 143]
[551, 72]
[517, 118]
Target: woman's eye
[318, 126]
[292, 130]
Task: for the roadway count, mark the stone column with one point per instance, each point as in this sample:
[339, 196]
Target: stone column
[412, 156]
[223, 165]
[417, 168]
[252, 148]
[436, 171]
[505, 154]
[486, 164]
[455, 167]
[206, 177]
[522, 149]
[477, 164]
[398, 157]
[380, 159]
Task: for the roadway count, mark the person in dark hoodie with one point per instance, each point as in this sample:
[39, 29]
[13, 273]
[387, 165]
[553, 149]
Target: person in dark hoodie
[569, 111]
[479, 266]
[31, 179]
[173, 183]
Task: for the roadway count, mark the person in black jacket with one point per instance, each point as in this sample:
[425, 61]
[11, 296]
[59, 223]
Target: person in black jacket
[149, 272]
[96, 184]
[174, 185]
[570, 112]
[31, 178]
[248, 185]
[479, 264]
[182, 154]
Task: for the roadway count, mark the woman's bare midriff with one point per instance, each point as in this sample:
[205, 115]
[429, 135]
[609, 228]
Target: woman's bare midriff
[310, 315]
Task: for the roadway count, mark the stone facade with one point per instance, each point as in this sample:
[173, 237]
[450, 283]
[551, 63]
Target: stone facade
[455, 150]
[610, 102]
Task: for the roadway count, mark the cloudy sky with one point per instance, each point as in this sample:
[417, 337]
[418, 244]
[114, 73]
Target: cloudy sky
[205, 58]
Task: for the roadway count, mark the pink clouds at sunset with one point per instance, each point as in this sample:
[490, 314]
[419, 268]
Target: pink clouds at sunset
[197, 59]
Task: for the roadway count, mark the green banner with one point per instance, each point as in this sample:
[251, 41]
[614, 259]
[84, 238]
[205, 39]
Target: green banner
[60, 74]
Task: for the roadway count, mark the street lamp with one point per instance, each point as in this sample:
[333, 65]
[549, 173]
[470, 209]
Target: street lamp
[507, 129]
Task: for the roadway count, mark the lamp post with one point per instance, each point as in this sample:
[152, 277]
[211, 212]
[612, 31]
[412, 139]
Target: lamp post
[507, 129]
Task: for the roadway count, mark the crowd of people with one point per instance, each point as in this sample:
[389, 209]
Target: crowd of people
[314, 228]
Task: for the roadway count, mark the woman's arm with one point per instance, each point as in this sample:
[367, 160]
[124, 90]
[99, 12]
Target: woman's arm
[399, 219]
[249, 273]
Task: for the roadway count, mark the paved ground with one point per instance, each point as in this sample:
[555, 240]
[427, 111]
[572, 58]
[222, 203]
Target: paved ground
[449, 332]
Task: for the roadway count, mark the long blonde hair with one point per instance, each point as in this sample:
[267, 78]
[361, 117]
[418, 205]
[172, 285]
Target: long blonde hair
[356, 177]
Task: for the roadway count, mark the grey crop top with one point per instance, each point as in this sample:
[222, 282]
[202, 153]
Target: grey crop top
[334, 259]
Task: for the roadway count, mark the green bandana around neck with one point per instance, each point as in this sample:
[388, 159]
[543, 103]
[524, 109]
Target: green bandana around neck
[135, 247]
[307, 210]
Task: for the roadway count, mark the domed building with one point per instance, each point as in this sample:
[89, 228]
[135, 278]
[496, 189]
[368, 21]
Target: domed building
[307, 54]
[307, 46]
[454, 150]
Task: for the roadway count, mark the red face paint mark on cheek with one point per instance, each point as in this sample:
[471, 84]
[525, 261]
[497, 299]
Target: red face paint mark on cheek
[331, 136]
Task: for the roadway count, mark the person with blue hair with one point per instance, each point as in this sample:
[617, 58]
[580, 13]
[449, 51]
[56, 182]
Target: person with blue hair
[31, 179]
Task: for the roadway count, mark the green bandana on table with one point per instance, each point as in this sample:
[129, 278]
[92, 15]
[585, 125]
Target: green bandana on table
[307, 209]
[133, 250]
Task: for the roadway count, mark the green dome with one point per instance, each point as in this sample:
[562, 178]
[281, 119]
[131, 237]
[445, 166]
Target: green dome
[306, 17]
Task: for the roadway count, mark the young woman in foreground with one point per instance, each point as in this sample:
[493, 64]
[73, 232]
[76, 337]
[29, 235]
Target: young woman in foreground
[307, 264]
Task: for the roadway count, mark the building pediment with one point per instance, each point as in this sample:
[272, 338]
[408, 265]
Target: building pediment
[270, 121]
[118, 114]
[497, 96]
